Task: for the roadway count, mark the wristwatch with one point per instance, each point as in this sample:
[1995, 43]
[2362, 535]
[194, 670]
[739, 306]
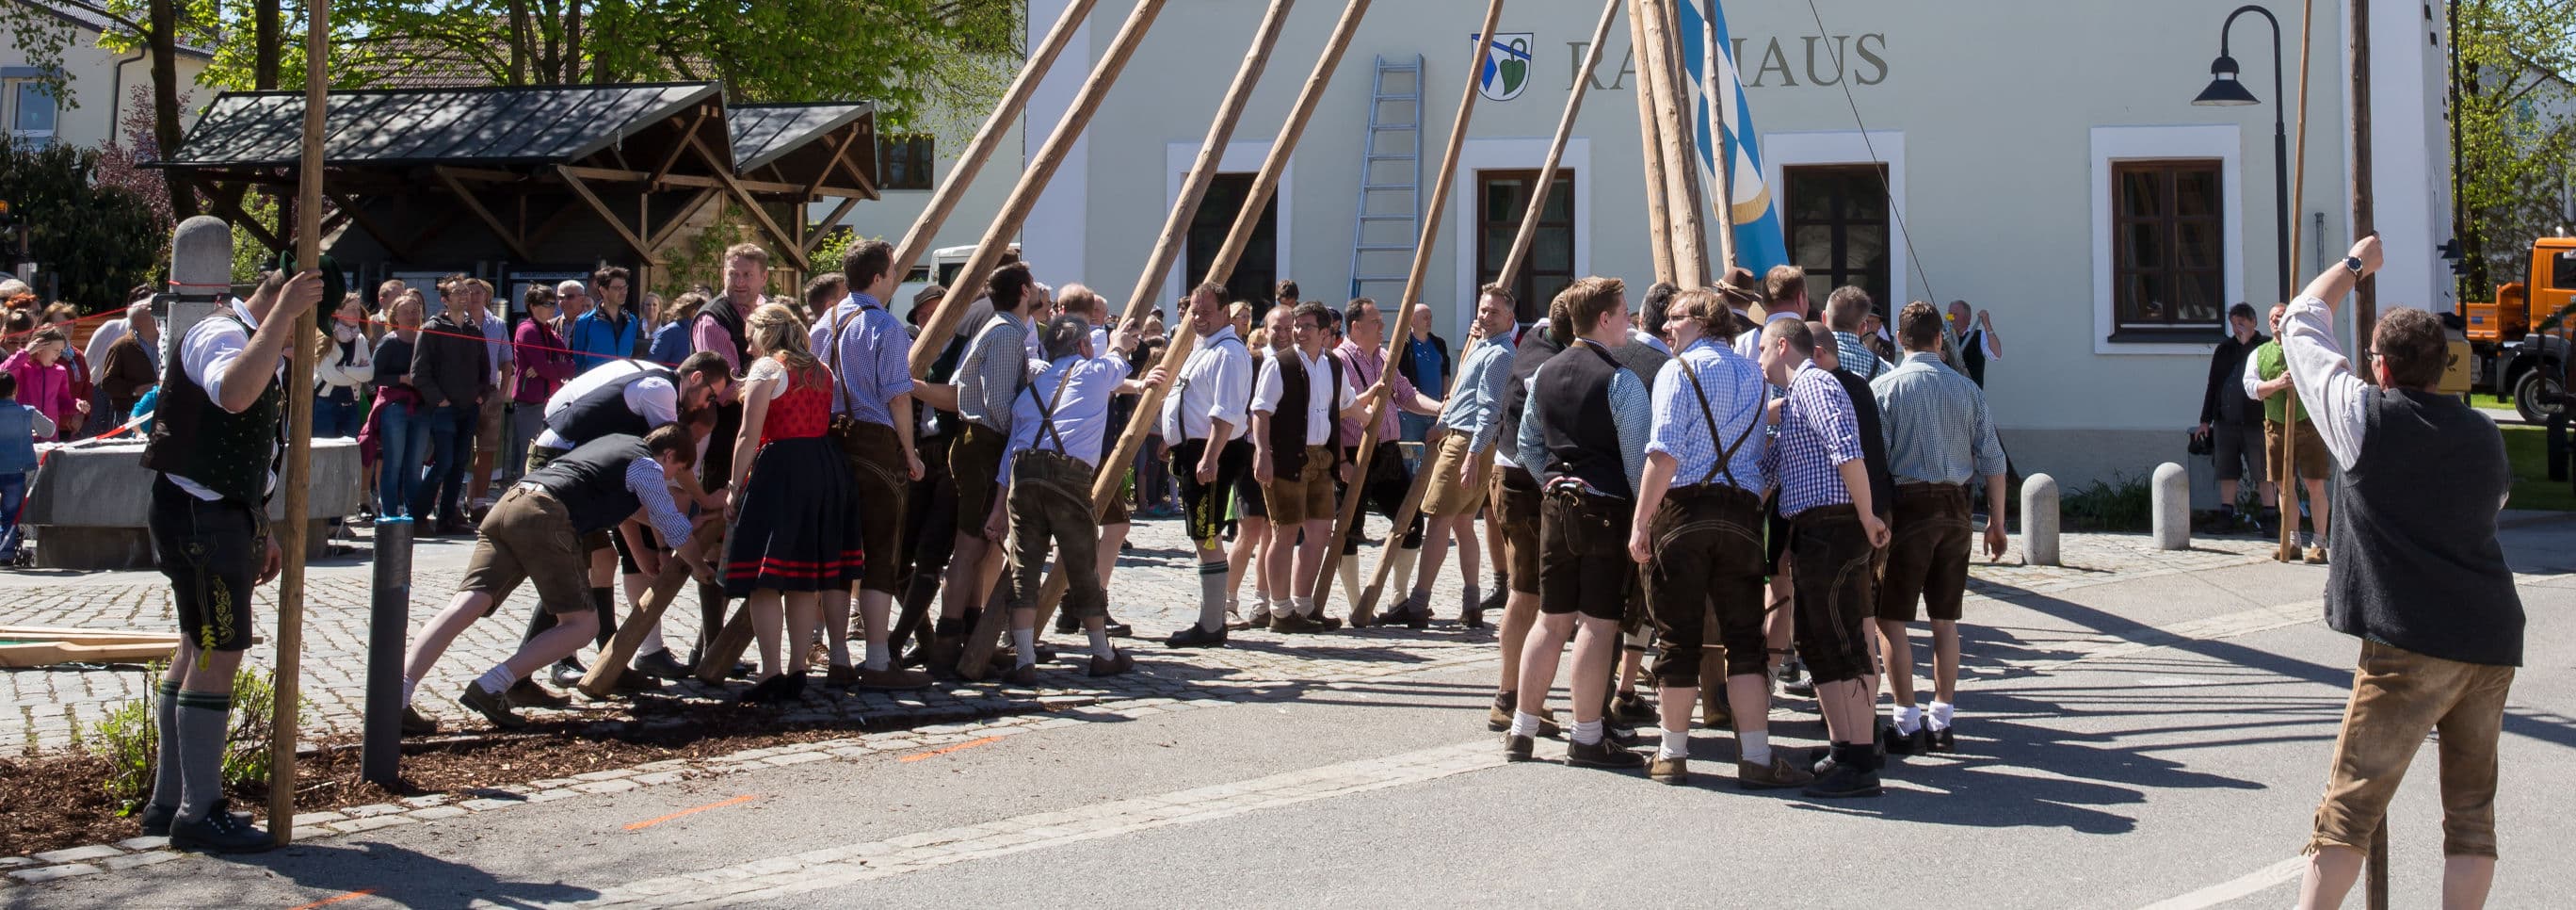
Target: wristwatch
[2353, 263]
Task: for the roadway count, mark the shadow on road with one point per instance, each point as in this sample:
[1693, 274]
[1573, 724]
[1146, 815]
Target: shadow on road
[406, 877]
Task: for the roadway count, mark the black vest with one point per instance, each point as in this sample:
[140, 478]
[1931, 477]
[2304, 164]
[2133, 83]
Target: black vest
[590, 481]
[1288, 423]
[195, 438]
[602, 410]
[2417, 565]
[1972, 354]
[1873, 445]
[1574, 404]
[729, 319]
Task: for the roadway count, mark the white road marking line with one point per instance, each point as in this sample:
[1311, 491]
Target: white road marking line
[778, 877]
[2254, 882]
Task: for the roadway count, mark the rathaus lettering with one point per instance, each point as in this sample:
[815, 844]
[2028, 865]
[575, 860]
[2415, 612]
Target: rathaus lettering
[1777, 62]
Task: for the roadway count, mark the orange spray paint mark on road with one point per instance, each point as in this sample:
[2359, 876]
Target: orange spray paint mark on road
[650, 822]
[943, 750]
[353, 895]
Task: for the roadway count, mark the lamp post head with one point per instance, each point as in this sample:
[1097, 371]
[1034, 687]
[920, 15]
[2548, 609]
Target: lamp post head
[2224, 90]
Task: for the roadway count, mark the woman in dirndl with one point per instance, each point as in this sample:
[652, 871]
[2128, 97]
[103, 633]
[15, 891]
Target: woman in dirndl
[796, 536]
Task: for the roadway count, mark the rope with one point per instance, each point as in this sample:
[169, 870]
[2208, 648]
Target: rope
[1894, 211]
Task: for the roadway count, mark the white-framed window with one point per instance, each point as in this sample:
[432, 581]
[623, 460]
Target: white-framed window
[2168, 224]
[32, 110]
[1526, 157]
[1799, 165]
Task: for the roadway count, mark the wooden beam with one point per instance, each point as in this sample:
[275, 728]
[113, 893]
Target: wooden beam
[759, 216]
[1681, 162]
[680, 148]
[476, 206]
[970, 162]
[1024, 195]
[1718, 88]
[829, 223]
[839, 148]
[563, 215]
[1436, 204]
[661, 238]
[582, 190]
[1167, 247]
[1659, 221]
[2289, 551]
[296, 476]
[1513, 263]
[242, 220]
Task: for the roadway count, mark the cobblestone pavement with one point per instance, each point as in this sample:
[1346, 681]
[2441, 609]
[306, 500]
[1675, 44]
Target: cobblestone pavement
[1153, 588]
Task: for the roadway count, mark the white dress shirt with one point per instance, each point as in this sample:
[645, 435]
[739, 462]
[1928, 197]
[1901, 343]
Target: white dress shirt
[1215, 383]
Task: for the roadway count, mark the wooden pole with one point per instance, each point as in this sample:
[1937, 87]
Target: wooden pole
[297, 477]
[601, 681]
[1681, 166]
[952, 189]
[1513, 262]
[1438, 203]
[1024, 195]
[2289, 468]
[1717, 86]
[2365, 321]
[971, 662]
[1650, 143]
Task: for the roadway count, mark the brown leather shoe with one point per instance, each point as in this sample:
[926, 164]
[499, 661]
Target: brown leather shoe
[891, 678]
[1781, 772]
[527, 694]
[1022, 675]
[1674, 771]
[1294, 624]
[2316, 556]
[1499, 719]
[1112, 666]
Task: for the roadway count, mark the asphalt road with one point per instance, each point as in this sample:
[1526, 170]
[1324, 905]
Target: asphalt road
[2159, 742]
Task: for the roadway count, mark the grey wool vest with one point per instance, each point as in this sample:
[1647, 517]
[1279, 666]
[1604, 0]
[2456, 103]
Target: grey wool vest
[2416, 562]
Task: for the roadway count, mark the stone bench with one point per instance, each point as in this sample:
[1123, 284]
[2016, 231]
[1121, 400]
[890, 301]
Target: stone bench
[87, 504]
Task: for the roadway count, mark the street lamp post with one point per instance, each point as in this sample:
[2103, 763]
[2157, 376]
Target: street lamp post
[2225, 90]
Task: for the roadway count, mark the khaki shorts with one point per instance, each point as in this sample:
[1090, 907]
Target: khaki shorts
[2398, 696]
[1442, 495]
[487, 424]
[529, 537]
[2311, 454]
[1305, 497]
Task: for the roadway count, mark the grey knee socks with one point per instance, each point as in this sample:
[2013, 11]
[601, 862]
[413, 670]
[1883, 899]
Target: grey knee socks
[202, 717]
[165, 727]
[1212, 595]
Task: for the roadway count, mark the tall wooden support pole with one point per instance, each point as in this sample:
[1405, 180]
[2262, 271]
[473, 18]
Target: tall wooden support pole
[2289, 467]
[298, 475]
[1717, 85]
[2365, 321]
[952, 189]
[1435, 205]
[1510, 275]
[1158, 264]
[1650, 143]
[1024, 196]
[1683, 200]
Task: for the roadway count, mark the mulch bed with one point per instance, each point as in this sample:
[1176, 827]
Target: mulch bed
[56, 801]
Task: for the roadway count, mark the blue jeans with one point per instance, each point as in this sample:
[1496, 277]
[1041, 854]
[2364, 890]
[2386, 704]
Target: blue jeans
[13, 494]
[337, 418]
[451, 441]
[402, 443]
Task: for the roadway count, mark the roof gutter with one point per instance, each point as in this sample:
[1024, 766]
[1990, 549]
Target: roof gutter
[116, 93]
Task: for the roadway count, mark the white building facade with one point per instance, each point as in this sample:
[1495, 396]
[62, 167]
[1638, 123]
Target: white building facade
[2042, 161]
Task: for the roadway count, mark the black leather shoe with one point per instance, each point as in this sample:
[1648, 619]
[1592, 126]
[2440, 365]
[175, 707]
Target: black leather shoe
[1294, 624]
[1942, 741]
[1517, 748]
[567, 673]
[1847, 779]
[527, 694]
[1065, 624]
[659, 665]
[219, 832]
[1196, 637]
[156, 818]
[1917, 743]
[771, 691]
[494, 708]
[415, 723]
[631, 681]
[1116, 629]
[1623, 737]
[1603, 754]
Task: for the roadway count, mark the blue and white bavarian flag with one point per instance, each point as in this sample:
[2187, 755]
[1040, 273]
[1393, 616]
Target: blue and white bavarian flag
[1758, 241]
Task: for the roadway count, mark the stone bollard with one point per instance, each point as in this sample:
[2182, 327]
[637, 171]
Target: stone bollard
[2172, 489]
[2039, 520]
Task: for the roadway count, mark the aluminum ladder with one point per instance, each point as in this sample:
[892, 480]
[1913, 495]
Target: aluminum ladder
[1388, 222]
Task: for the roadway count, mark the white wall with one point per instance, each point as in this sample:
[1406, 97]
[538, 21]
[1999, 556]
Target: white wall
[94, 86]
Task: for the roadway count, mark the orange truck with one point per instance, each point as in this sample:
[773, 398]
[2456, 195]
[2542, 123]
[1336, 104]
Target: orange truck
[2507, 356]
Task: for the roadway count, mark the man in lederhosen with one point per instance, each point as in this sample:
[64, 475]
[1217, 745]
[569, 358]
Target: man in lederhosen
[1061, 418]
[1297, 405]
[1363, 354]
[870, 356]
[1203, 419]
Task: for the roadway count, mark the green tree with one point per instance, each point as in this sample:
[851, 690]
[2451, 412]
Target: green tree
[100, 240]
[2517, 126]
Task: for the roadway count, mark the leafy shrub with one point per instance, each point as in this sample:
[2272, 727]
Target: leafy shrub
[127, 737]
[2123, 503]
[100, 240]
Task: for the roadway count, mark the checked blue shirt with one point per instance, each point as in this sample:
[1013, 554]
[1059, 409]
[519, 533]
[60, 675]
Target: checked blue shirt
[1936, 423]
[1736, 395]
[1818, 432]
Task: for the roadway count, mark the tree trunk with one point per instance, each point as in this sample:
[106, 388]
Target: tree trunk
[519, 42]
[266, 24]
[164, 42]
[572, 44]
